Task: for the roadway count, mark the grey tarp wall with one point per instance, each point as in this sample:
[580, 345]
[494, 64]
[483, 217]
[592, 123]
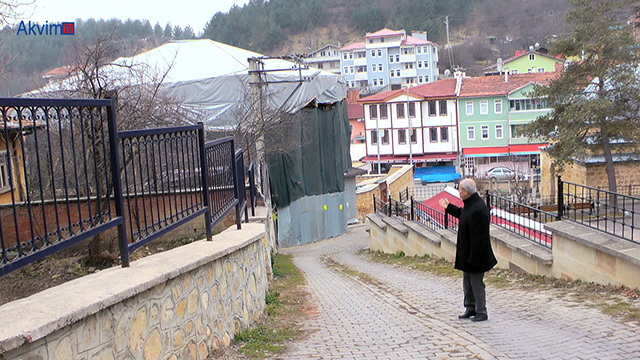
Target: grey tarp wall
[307, 185]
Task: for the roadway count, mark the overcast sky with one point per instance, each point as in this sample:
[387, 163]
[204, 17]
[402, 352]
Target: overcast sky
[179, 12]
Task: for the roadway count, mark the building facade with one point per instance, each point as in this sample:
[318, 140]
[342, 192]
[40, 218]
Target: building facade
[527, 62]
[388, 60]
[417, 124]
[326, 58]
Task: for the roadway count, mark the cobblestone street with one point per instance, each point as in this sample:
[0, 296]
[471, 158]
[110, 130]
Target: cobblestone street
[413, 314]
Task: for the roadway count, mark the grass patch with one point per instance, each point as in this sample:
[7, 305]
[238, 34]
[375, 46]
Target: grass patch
[350, 272]
[286, 306]
[423, 263]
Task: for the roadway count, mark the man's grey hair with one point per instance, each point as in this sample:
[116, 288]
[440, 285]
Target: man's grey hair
[469, 185]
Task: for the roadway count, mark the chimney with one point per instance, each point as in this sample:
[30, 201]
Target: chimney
[353, 96]
[506, 76]
[419, 35]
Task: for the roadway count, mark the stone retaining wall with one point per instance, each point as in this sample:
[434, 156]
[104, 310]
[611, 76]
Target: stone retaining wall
[180, 304]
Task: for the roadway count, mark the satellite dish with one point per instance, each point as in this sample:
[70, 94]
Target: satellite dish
[447, 72]
[531, 47]
[537, 45]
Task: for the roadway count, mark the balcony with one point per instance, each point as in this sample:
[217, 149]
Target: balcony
[408, 58]
[361, 76]
[408, 73]
[360, 61]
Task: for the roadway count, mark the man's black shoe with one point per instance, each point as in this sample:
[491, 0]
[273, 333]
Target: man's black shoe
[467, 314]
[479, 317]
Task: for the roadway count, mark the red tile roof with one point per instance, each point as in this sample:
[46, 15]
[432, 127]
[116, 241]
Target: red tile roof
[355, 111]
[62, 70]
[354, 46]
[437, 89]
[384, 32]
[495, 85]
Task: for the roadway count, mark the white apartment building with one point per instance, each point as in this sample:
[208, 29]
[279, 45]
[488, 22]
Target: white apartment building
[418, 123]
[389, 59]
[326, 58]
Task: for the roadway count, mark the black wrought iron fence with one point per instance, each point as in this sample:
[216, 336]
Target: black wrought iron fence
[604, 210]
[404, 195]
[380, 207]
[253, 193]
[66, 176]
[526, 221]
[399, 209]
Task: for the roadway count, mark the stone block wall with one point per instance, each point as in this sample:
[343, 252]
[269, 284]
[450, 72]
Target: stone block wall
[186, 316]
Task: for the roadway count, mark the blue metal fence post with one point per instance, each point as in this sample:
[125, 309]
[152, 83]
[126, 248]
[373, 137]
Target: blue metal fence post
[560, 199]
[204, 171]
[117, 184]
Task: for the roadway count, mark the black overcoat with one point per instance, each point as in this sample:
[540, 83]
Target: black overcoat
[473, 251]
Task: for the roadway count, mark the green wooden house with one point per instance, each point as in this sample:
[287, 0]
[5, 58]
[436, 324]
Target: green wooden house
[527, 62]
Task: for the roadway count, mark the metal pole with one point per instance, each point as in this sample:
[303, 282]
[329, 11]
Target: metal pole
[117, 184]
[410, 130]
[204, 171]
[377, 137]
[374, 204]
[413, 215]
[560, 199]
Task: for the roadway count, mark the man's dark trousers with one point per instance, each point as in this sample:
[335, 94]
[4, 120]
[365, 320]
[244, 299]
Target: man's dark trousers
[474, 295]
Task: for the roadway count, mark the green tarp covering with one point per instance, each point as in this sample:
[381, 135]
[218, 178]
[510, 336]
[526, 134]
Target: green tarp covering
[317, 166]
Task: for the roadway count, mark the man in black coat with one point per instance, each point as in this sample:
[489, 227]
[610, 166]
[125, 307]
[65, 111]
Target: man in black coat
[474, 255]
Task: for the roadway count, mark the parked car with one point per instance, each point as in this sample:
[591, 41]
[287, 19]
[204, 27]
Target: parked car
[502, 173]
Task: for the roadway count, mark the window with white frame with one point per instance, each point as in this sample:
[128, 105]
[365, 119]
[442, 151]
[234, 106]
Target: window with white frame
[471, 133]
[350, 55]
[344, 56]
[346, 70]
[426, 79]
[540, 70]
[425, 49]
[397, 58]
[383, 111]
[374, 67]
[408, 65]
[469, 107]
[419, 50]
[390, 58]
[420, 79]
[426, 64]
[373, 111]
[443, 107]
[444, 134]
[398, 73]
[484, 132]
[392, 73]
[380, 67]
[431, 105]
[351, 69]
[514, 72]
[419, 64]
[375, 82]
[373, 53]
[402, 136]
[400, 111]
[385, 137]
[381, 81]
[414, 136]
[435, 50]
[484, 107]
[433, 135]
[499, 132]
[532, 57]
[379, 53]
[374, 137]
[497, 106]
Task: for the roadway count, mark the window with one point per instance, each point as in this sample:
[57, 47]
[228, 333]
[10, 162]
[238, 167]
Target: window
[426, 79]
[419, 64]
[402, 136]
[412, 109]
[392, 73]
[517, 131]
[419, 50]
[375, 82]
[370, 41]
[426, 49]
[373, 53]
[379, 53]
[351, 69]
[373, 67]
[426, 64]
[408, 65]
[444, 134]
[527, 104]
[374, 137]
[383, 111]
[432, 108]
[498, 131]
[400, 111]
[484, 132]
[471, 133]
[514, 72]
[350, 55]
[381, 81]
[433, 135]
[435, 50]
[344, 56]
[397, 58]
[398, 73]
[469, 106]
[443, 107]
[373, 111]
[4, 176]
[484, 107]
[414, 137]
[420, 79]
[385, 137]
[532, 57]
[390, 58]
[346, 70]
[497, 106]
[540, 70]
[379, 67]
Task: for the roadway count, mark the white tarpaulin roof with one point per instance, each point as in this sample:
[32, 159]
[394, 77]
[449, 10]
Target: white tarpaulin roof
[211, 78]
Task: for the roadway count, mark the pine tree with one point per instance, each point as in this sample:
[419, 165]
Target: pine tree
[157, 30]
[168, 31]
[596, 102]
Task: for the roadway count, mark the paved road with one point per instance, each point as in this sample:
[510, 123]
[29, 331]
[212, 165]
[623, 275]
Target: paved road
[411, 314]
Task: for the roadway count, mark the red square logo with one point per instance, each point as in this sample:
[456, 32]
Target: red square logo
[68, 28]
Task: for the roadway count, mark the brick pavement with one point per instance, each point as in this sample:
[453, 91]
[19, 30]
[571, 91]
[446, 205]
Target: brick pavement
[413, 314]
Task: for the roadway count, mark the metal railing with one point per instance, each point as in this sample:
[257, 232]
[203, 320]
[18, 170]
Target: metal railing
[253, 193]
[526, 221]
[415, 211]
[604, 210]
[404, 195]
[67, 175]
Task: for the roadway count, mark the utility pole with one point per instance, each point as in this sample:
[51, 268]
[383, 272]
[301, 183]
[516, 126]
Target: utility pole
[410, 130]
[377, 137]
[446, 22]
